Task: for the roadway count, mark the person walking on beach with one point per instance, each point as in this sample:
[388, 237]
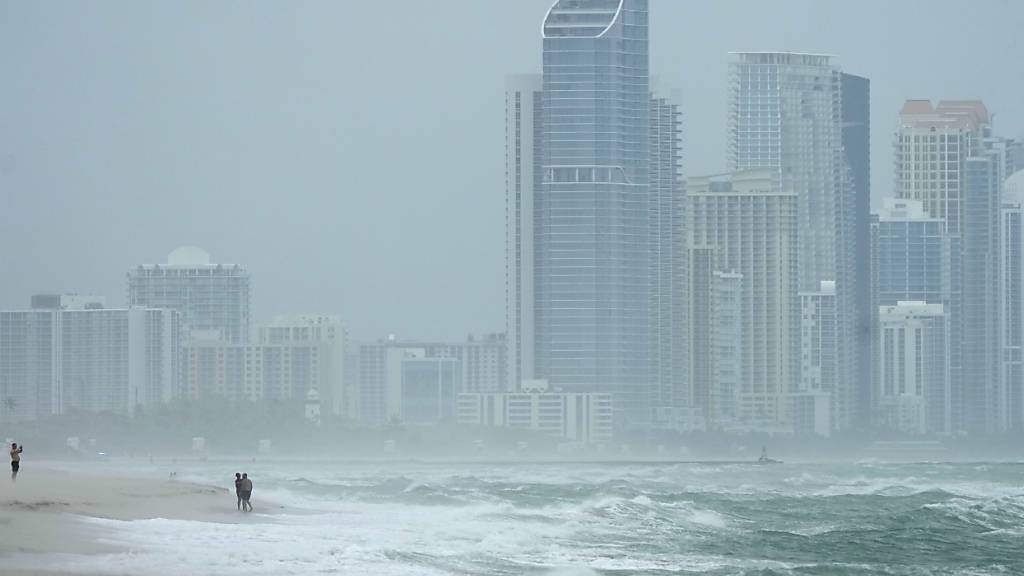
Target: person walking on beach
[238, 488]
[246, 493]
[15, 460]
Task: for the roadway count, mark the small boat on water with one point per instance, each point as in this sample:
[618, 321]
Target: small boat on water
[764, 459]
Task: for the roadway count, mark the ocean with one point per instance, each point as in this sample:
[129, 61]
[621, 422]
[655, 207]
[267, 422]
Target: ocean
[589, 519]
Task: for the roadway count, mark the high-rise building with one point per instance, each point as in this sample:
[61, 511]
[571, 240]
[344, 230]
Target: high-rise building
[910, 255]
[812, 405]
[715, 339]
[913, 259]
[947, 158]
[523, 107]
[668, 265]
[856, 107]
[701, 316]
[786, 115]
[726, 349]
[212, 298]
[752, 228]
[913, 368]
[69, 353]
[1012, 301]
[592, 206]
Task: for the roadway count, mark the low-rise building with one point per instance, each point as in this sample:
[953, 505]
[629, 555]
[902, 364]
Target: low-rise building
[578, 417]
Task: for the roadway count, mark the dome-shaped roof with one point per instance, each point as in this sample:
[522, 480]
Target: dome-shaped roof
[1013, 188]
[189, 256]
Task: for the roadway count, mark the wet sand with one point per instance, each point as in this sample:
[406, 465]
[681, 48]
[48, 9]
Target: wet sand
[44, 511]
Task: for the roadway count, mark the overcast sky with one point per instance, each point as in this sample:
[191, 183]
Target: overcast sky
[350, 154]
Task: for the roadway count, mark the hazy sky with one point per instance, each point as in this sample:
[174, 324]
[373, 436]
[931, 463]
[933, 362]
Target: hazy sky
[351, 153]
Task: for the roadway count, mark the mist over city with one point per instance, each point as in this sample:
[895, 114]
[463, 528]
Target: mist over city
[552, 287]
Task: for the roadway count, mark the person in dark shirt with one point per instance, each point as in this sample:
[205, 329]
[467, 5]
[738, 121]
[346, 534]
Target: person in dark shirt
[238, 488]
[15, 460]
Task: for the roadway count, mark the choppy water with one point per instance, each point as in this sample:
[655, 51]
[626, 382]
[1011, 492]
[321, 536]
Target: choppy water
[799, 519]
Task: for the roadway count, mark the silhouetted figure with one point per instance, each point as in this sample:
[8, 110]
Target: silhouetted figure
[238, 488]
[15, 460]
[246, 493]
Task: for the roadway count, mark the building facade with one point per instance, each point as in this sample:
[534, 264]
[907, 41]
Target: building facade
[668, 257]
[752, 229]
[427, 390]
[71, 354]
[211, 298]
[291, 357]
[523, 105]
[1011, 315]
[947, 158]
[482, 364]
[576, 417]
[786, 115]
[913, 376]
[592, 297]
[856, 111]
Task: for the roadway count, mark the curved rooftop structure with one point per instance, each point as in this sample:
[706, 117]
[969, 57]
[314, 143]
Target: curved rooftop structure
[581, 18]
[188, 256]
[1013, 188]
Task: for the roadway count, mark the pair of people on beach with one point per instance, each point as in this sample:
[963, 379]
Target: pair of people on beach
[15, 459]
[243, 489]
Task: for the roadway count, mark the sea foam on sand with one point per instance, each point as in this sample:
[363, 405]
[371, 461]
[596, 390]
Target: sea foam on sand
[46, 512]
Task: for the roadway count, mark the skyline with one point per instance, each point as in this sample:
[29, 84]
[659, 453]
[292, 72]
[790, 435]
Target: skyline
[292, 180]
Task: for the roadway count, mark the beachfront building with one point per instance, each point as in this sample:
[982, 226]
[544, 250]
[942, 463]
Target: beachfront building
[292, 356]
[947, 158]
[715, 339]
[522, 180]
[812, 398]
[786, 116]
[424, 390]
[1011, 315]
[482, 364]
[752, 230]
[211, 298]
[69, 353]
[913, 369]
[855, 92]
[573, 416]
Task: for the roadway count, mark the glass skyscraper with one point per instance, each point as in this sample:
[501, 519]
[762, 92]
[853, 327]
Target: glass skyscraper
[591, 209]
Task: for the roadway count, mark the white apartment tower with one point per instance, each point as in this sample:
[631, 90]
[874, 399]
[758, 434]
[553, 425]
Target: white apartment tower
[751, 227]
[1012, 302]
[522, 150]
[212, 298]
[70, 353]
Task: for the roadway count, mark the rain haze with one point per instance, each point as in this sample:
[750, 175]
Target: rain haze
[503, 287]
[350, 154]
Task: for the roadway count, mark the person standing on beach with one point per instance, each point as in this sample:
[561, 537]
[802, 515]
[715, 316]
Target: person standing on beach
[246, 493]
[15, 460]
[238, 488]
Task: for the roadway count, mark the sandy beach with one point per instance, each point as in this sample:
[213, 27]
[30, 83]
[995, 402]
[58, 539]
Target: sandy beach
[42, 512]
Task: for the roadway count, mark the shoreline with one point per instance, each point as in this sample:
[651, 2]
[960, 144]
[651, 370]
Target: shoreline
[47, 510]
